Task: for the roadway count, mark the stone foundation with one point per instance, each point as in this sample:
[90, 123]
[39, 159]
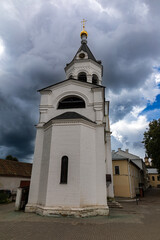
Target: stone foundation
[69, 212]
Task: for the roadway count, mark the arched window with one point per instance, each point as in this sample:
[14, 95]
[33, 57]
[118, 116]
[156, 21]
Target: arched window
[64, 170]
[82, 77]
[71, 102]
[70, 76]
[94, 79]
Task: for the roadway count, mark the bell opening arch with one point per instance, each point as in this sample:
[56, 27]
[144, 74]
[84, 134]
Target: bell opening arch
[71, 101]
[82, 76]
[95, 79]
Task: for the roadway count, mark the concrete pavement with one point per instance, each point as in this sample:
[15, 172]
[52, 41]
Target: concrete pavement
[133, 222]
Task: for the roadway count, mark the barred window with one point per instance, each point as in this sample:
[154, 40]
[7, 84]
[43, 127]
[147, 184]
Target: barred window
[117, 170]
[64, 170]
[82, 77]
[94, 79]
[71, 102]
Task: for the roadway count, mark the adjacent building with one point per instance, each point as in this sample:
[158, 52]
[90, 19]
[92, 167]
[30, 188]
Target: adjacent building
[12, 173]
[154, 177]
[129, 174]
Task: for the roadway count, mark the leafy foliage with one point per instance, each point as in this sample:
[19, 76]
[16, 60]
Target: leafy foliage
[10, 157]
[5, 196]
[151, 142]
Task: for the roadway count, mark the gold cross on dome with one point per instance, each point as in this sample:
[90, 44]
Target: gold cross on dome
[83, 23]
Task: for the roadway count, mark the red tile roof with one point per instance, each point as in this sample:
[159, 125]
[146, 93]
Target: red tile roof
[15, 169]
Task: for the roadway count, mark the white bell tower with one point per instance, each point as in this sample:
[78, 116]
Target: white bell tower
[69, 167]
[84, 66]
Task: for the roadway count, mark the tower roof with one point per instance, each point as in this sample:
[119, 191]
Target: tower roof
[83, 53]
[72, 80]
[71, 115]
[86, 49]
[15, 169]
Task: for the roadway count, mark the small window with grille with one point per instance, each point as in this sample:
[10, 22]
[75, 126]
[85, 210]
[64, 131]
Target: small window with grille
[117, 170]
[94, 79]
[64, 170]
[71, 102]
[82, 77]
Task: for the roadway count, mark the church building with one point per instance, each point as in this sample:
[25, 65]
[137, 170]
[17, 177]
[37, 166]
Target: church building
[72, 167]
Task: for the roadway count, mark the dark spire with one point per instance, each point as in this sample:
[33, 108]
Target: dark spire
[86, 49]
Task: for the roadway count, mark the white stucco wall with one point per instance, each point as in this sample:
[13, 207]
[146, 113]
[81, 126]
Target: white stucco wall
[86, 65]
[11, 183]
[100, 165]
[65, 142]
[82, 141]
[108, 157]
[93, 97]
[88, 183]
[45, 164]
[36, 168]
[86, 169]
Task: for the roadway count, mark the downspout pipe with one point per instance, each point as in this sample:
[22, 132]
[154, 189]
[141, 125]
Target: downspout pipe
[129, 176]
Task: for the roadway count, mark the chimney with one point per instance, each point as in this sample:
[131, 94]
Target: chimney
[113, 151]
[126, 150]
[119, 149]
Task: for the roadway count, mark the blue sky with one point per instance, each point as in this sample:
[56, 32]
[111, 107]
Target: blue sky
[152, 110]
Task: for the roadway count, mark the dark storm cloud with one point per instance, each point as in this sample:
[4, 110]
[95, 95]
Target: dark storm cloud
[130, 47]
[131, 61]
[122, 103]
[40, 37]
[17, 128]
[19, 107]
[31, 62]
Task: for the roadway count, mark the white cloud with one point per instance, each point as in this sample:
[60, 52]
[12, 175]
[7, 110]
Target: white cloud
[2, 48]
[129, 133]
[136, 111]
[111, 11]
[150, 89]
[141, 9]
[157, 78]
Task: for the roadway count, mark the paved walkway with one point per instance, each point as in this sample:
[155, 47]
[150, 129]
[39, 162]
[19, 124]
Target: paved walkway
[133, 222]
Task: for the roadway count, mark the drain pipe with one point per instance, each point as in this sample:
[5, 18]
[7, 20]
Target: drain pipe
[129, 175]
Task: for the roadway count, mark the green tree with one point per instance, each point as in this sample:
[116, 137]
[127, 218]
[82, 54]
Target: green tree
[151, 142]
[10, 157]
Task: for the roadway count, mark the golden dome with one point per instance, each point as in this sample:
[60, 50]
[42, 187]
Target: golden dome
[84, 32]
